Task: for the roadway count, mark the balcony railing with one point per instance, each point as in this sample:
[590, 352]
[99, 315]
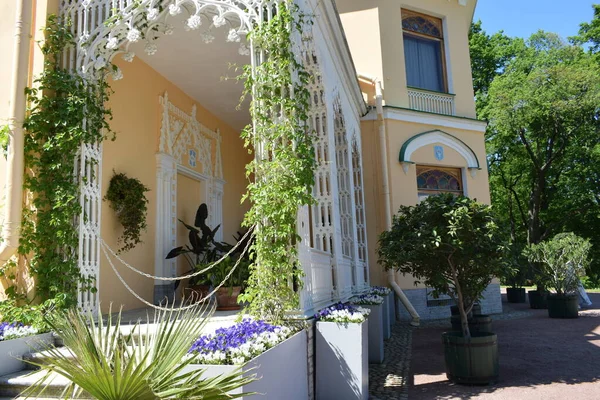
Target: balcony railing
[433, 102]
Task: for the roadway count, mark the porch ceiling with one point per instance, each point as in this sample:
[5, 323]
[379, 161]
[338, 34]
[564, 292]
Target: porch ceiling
[200, 69]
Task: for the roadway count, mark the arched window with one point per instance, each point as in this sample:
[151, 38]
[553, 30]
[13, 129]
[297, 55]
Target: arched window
[436, 180]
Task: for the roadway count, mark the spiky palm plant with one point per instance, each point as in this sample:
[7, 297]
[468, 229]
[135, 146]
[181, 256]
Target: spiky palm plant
[149, 363]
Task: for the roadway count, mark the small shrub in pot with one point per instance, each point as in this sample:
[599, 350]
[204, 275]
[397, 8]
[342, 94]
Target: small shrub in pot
[563, 260]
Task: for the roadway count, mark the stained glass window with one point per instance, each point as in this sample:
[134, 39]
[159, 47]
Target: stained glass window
[423, 24]
[435, 180]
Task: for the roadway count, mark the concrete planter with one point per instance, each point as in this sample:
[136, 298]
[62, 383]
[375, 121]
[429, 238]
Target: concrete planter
[12, 351]
[387, 323]
[392, 307]
[282, 371]
[341, 359]
[375, 322]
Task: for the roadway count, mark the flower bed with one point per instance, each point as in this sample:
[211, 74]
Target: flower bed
[15, 330]
[16, 340]
[367, 299]
[380, 290]
[261, 349]
[239, 343]
[341, 358]
[342, 313]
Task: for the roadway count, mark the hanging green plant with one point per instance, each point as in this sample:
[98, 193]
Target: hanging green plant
[127, 198]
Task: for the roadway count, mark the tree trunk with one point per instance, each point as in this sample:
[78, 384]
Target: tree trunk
[534, 233]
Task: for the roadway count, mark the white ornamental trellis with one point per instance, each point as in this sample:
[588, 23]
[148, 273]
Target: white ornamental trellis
[106, 28]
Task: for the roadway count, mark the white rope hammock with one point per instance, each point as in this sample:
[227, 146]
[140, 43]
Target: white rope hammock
[106, 250]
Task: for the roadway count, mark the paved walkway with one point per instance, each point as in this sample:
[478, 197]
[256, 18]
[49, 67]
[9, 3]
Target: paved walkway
[540, 358]
[389, 380]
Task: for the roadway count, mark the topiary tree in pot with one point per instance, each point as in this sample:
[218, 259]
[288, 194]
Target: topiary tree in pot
[453, 245]
[563, 260]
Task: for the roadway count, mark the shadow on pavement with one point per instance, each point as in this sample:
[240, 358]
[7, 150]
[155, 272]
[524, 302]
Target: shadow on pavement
[533, 351]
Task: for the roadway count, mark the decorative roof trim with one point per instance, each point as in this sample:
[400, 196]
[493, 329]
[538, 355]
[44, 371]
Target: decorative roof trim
[437, 136]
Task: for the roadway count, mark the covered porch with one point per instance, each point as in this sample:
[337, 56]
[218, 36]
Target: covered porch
[178, 123]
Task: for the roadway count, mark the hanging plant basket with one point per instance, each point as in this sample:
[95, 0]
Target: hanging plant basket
[128, 200]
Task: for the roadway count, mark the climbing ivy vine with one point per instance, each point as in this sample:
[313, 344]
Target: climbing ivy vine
[58, 104]
[283, 169]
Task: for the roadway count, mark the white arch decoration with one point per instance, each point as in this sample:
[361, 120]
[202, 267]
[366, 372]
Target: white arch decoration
[180, 134]
[441, 137]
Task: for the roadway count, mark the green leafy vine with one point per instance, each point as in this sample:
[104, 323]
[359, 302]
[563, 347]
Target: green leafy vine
[58, 105]
[127, 198]
[283, 168]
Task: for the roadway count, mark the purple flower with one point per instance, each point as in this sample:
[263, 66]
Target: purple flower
[337, 306]
[225, 339]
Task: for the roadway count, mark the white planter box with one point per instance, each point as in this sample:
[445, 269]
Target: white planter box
[375, 334]
[282, 371]
[387, 327]
[341, 359]
[12, 351]
[392, 307]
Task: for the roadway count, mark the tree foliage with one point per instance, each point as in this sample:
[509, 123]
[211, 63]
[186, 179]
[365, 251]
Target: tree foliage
[563, 259]
[589, 33]
[542, 140]
[451, 244]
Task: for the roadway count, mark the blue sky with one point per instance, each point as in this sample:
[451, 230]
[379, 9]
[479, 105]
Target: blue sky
[523, 17]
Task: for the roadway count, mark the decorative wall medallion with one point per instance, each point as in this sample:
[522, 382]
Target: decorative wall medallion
[439, 152]
[192, 159]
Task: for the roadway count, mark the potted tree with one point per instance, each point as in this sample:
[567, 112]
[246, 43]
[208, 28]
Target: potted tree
[452, 245]
[516, 274]
[563, 260]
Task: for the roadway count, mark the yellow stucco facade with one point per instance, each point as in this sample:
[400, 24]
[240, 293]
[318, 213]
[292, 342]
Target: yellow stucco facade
[374, 31]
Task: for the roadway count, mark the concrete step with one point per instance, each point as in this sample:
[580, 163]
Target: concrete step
[42, 357]
[13, 385]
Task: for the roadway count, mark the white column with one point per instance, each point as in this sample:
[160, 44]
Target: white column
[165, 233]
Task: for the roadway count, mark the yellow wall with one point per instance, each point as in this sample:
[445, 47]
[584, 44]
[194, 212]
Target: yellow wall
[137, 118]
[403, 186]
[374, 32]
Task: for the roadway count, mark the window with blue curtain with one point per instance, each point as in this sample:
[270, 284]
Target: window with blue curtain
[423, 51]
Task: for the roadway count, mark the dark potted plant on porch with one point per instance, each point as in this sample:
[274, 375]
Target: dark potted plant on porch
[201, 251]
[452, 245]
[563, 260]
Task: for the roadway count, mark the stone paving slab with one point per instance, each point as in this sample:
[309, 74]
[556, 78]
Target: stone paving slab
[389, 380]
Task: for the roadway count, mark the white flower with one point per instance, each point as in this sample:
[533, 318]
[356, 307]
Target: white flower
[194, 22]
[207, 37]
[112, 43]
[244, 50]
[129, 56]
[174, 9]
[100, 63]
[150, 49]
[117, 74]
[233, 36]
[219, 20]
[134, 35]
[152, 14]
[169, 29]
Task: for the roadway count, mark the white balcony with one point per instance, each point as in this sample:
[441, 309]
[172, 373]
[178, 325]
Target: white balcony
[432, 102]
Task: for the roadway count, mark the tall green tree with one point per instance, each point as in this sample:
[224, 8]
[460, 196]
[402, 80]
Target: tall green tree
[589, 33]
[489, 56]
[542, 139]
